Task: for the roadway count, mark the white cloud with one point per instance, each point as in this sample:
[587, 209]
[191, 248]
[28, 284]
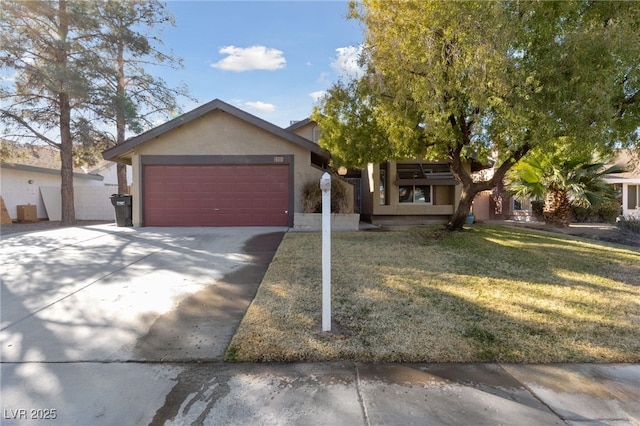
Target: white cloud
[346, 62]
[250, 58]
[261, 106]
[316, 96]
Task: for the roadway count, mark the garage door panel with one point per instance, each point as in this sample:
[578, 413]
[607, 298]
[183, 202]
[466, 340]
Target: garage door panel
[216, 195]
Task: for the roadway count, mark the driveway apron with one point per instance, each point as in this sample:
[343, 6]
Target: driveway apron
[104, 293]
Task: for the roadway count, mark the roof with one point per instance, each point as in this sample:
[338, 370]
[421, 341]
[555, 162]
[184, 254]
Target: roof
[123, 150]
[40, 156]
[40, 159]
[47, 171]
[631, 161]
[298, 124]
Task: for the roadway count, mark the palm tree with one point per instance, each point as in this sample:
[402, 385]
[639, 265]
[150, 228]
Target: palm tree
[562, 183]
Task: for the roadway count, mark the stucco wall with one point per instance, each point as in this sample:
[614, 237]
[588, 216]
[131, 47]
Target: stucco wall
[308, 131]
[91, 203]
[481, 206]
[16, 189]
[110, 174]
[219, 133]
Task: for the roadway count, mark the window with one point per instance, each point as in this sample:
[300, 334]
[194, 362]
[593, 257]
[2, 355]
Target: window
[634, 197]
[418, 194]
[383, 184]
[412, 183]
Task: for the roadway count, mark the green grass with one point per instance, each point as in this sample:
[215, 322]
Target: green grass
[423, 295]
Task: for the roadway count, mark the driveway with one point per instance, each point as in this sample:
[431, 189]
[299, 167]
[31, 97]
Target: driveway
[103, 293]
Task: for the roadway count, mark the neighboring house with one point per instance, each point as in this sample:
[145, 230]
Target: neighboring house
[34, 179]
[407, 192]
[498, 204]
[108, 170]
[219, 166]
[628, 183]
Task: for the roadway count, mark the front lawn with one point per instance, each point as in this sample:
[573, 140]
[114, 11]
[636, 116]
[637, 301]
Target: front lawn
[420, 294]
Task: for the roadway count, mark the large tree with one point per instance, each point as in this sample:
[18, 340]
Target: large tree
[75, 73]
[44, 45]
[472, 80]
[130, 43]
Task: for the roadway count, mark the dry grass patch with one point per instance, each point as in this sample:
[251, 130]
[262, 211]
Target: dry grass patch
[422, 295]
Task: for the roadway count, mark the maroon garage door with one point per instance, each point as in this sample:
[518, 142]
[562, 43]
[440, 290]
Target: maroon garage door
[216, 195]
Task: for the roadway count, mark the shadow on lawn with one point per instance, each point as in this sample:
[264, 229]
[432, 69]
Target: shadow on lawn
[491, 294]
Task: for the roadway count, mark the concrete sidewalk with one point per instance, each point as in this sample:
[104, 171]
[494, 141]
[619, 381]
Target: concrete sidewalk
[320, 394]
[122, 326]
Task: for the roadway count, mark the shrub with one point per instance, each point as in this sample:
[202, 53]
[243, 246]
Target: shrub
[629, 223]
[312, 197]
[609, 212]
[537, 206]
[603, 212]
[583, 214]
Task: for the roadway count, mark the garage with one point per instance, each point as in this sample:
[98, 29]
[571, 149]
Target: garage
[216, 195]
[219, 166]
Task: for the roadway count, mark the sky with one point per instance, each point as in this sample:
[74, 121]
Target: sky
[272, 59]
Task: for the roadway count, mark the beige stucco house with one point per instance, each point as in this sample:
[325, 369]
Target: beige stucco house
[219, 166]
[398, 192]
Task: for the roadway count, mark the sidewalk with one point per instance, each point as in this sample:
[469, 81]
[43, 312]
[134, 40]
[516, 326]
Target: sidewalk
[323, 394]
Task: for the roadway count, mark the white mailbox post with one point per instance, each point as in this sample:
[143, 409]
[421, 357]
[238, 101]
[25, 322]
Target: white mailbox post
[325, 186]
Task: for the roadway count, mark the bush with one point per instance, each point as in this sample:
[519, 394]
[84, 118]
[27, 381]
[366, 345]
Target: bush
[312, 197]
[629, 224]
[604, 212]
[583, 214]
[537, 207]
[609, 212]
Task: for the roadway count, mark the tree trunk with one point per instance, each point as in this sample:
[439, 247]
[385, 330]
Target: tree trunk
[121, 122]
[66, 173]
[464, 207]
[68, 213]
[557, 208]
[123, 188]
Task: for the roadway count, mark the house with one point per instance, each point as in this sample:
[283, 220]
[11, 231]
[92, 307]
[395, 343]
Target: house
[398, 192]
[219, 166]
[499, 204]
[628, 183]
[33, 178]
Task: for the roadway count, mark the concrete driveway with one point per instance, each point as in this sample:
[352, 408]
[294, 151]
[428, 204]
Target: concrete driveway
[104, 293]
[89, 315]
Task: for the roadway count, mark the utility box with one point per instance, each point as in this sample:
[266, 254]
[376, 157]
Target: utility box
[27, 213]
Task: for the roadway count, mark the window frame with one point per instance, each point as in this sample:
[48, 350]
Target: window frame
[413, 194]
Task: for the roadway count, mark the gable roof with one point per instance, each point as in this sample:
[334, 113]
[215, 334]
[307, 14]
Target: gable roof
[299, 124]
[120, 151]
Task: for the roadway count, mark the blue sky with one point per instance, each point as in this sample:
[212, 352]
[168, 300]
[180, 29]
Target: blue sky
[269, 58]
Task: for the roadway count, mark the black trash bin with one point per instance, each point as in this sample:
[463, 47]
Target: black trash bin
[123, 206]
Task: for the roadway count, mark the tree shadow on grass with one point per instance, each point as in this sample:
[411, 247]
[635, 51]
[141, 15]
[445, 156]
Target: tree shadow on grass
[488, 295]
